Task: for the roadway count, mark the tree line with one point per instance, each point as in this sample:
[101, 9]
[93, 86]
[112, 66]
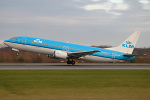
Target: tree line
[9, 56]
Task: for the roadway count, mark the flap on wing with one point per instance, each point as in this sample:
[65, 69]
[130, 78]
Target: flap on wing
[81, 54]
[131, 55]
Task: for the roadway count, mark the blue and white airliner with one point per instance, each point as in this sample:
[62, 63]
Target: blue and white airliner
[63, 50]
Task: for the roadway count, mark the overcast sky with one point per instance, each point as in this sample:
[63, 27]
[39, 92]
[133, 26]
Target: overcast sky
[87, 22]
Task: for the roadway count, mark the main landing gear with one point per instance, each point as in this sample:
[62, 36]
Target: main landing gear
[71, 62]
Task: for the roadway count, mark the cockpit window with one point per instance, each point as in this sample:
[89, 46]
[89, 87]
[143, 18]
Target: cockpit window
[13, 39]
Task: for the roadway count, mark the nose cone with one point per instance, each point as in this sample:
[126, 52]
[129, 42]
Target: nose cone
[2, 44]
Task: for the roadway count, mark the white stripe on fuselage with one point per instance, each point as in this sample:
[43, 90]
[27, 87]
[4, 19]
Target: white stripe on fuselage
[48, 51]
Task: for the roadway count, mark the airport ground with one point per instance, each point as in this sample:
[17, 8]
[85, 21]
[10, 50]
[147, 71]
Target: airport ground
[76, 84]
[83, 66]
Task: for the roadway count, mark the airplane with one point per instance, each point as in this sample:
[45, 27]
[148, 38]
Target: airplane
[63, 50]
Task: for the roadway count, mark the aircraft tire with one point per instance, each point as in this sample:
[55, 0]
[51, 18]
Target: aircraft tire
[73, 62]
[17, 54]
[68, 62]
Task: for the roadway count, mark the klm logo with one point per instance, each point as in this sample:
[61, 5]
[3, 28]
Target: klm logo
[37, 41]
[128, 45]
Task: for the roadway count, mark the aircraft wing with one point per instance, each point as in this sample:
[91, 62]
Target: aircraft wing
[131, 55]
[81, 54]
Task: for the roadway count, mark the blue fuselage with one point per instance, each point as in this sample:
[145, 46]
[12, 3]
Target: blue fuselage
[42, 46]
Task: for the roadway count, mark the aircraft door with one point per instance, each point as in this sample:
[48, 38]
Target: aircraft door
[67, 48]
[24, 41]
[113, 55]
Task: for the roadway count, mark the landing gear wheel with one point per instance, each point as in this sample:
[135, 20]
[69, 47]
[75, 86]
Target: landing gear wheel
[68, 62]
[17, 54]
[71, 62]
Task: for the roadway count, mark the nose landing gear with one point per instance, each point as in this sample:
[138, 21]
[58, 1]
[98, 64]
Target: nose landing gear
[17, 53]
[71, 62]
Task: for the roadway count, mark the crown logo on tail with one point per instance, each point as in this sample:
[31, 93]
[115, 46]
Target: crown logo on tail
[128, 45]
[128, 42]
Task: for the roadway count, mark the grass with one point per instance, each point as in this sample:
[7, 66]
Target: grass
[75, 85]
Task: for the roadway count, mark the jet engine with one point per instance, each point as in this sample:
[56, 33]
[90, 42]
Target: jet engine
[59, 55]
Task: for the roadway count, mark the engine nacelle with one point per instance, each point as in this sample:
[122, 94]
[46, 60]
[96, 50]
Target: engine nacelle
[60, 54]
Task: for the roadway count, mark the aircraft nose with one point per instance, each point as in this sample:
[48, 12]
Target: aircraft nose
[2, 44]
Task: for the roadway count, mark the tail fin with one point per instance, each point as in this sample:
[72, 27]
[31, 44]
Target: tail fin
[128, 45]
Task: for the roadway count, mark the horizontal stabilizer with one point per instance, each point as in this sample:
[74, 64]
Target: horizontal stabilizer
[131, 55]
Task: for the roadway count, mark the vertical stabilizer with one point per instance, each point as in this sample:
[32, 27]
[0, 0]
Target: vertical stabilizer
[128, 45]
